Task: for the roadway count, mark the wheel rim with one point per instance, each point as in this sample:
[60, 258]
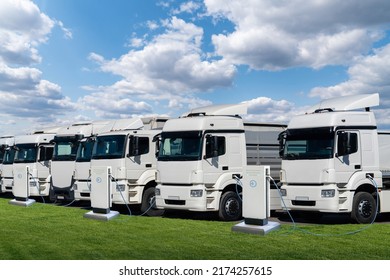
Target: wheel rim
[365, 208]
[232, 207]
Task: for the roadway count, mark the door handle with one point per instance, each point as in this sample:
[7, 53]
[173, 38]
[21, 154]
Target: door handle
[225, 167]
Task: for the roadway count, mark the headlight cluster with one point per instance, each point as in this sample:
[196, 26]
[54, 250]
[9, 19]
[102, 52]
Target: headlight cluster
[196, 193]
[328, 193]
[120, 187]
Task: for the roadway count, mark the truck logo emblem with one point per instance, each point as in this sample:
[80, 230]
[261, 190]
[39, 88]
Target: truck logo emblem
[20, 176]
[98, 180]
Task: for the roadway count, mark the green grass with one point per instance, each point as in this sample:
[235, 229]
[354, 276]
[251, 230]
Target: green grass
[52, 232]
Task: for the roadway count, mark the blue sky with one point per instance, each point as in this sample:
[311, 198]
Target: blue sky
[68, 61]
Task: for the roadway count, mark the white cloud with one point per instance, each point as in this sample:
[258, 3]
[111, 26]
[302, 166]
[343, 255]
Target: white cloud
[265, 109]
[25, 94]
[67, 32]
[275, 35]
[114, 106]
[26, 98]
[187, 7]
[368, 74]
[22, 28]
[152, 25]
[169, 66]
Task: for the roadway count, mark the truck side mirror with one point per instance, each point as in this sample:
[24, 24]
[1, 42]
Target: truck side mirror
[45, 153]
[133, 146]
[157, 139]
[346, 143]
[282, 142]
[211, 146]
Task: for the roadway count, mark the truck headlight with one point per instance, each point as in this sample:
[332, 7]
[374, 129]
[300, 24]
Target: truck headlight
[120, 187]
[33, 184]
[196, 193]
[283, 192]
[157, 191]
[74, 186]
[328, 193]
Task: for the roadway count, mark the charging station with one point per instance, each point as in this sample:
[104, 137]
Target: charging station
[21, 186]
[256, 202]
[101, 200]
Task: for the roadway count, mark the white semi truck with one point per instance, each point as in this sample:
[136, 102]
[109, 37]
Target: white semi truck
[35, 151]
[66, 144]
[82, 176]
[334, 160]
[131, 155]
[203, 156]
[6, 142]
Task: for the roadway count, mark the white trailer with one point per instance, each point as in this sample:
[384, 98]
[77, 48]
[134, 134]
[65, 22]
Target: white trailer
[330, 155]
[204, 155]
[67, 142]
[6, 142]
[131, 156]
[35, 151]
[82, 176]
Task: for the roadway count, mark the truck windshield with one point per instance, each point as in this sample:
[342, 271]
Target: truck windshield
[84, 152]
[309, 143]
[180, 146]
[9, 156]
[26, 153]
[109, 146]
[65, 151]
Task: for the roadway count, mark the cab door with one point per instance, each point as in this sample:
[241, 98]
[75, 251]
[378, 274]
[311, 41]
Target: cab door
[44, 159]
[223, 154]
[215, 159]
[348, 158]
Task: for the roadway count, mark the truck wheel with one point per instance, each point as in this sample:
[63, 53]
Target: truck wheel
[148, 204]
[230, 208]
[363, 208]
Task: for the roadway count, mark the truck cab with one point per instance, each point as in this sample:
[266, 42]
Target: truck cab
[328, 157]
[203, 157]
[131, 154]
[66, 144]
[35, 151]
[67, 141]
[81, 176]
[6, 155]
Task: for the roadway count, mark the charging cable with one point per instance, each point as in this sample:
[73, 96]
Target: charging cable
[89, 183]
[120, 191]
[69, 204]
[283, 203]
[124, 201]
[37, 186]
[238, 183]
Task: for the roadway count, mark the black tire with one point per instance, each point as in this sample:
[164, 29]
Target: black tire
[363, 208]
[148, 204]
[230, 208]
